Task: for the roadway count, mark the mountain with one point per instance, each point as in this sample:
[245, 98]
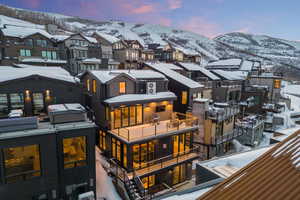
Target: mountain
[282, 53]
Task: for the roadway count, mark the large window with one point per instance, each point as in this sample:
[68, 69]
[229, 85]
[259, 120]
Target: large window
[21, 163]
[179, 174]
[127, 116]
[142, 154]
[102, 141]
[41, 43]
[148, 181]
[28, 42]
[122, 87]
[277, 83]
[74, 151]
[181, 144]
[3, 105]
[38, 103]
[94, 86]
[25, 52]
[52, 55]
[16, 100]
[184, 97]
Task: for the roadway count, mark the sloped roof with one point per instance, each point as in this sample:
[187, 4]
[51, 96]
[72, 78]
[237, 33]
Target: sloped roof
[23, 32]
[111, 39]
[273, 176]
[195, 67]
[8, 73]
[226, 62]
[231, 75]
[165, 68]
[105, 76]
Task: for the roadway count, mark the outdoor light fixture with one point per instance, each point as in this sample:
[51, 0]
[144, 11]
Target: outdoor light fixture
[27, 94]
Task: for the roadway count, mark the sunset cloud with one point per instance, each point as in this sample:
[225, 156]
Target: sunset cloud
[201, 26]
[142, 9]
[174, 4]
[32, 3]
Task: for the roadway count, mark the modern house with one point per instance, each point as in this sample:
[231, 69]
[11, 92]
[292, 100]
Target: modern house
[48, 160]
[151, 146]
[82, 52]
[29, 46]
[185, 88]
[30, 89]
[274, 175]
[232, 64]
[201, 75]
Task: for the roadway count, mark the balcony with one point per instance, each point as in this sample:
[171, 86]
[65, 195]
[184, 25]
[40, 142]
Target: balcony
[167, 161]
[178, 122]
[221, 114]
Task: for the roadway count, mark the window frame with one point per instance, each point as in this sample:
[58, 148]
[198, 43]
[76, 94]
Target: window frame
[122, 87]
[77, 163]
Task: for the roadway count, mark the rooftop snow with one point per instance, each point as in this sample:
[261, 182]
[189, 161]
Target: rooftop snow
[141, 97]
[247, 65]
[41, 60]
[10, 73]
[105, 76]
[195, 67]
[226, 62]
[108, 37]
[231, 75]
[23, 32]
[4, 20]
[165, 69]
[92, 60]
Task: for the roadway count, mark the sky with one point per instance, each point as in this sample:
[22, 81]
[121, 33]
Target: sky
[277, 18]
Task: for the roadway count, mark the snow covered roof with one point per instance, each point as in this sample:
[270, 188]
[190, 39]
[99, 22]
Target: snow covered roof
[41, 60]
[141, 97]
[274, 175]
[226, 62]
[231, 75]
[165, 69]
[285, 132]
[247, 65]
[23, 32]
[92, 60]
[8, 73]
[111, 39]
[105, 76]
[60, 38]
[195, 67]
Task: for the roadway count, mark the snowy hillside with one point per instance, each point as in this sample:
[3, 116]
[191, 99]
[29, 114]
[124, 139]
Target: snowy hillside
[282, 53]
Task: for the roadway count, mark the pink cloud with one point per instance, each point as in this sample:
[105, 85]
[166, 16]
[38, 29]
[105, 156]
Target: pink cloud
[201, 26]
[32, 3]
[142, 9]
[174, 4]
[165, 21]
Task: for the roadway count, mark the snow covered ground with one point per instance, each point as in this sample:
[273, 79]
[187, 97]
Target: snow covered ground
[104, 186]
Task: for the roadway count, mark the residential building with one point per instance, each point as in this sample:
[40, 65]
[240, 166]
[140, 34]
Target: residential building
[48, 160]
[107, 42]
[274, 175]
[185, 88]
[29, 46]
[128, 52]
[150, 145]
[30, 89]
[203, 76]
[233, 64]
[82, 52]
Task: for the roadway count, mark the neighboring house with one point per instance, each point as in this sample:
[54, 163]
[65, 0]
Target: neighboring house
[48, 160]
[274, 175]
[82, 52]
[31, 89]
[29, 46]
[107, 42]
[217, 127]
[233, 64]
[134, 110]
[201, 75]
[127, 52]
[185, 88]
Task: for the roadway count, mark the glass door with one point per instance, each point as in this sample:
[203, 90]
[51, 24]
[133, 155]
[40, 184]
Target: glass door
[176, 173]
[144, 155]
[136, 156]
[175, 145]
[38, 103]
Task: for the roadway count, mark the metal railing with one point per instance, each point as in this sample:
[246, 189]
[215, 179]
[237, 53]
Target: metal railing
[172, 159]
[221, 114]
[182, 121]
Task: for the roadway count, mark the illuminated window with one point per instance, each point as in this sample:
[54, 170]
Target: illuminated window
[88, 84]
[94, 86]
[113, 149]
[139, 114]
[102, 140]
[122, 87]
[74, 151]
[184, 97]
[16, 100]
[21, 163]
[125, 155]
[277, 84]
[119, 150]
[148, 181]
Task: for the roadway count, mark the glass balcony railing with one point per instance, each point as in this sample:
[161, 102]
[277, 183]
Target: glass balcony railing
[179, 122]
[221, 114]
